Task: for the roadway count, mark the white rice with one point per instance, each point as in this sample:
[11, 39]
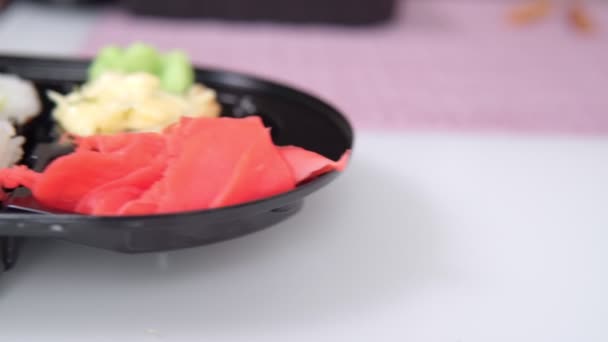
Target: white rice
[19, 102]
[10, 145]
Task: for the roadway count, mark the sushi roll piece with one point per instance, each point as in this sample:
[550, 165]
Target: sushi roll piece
[19, 101]
[10, 144]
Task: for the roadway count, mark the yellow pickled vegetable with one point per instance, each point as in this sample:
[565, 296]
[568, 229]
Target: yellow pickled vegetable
[116, 102]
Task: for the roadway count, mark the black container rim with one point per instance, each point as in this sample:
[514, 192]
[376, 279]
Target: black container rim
[70, 69]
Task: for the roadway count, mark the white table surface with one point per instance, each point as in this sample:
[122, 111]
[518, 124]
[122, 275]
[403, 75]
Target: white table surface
[426, 237]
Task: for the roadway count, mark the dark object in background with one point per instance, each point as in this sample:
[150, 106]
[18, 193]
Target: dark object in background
[351, 12]
[347, 12]
[74, 2]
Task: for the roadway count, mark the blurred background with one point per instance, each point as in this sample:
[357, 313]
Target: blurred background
[473, 209]
[389, 64]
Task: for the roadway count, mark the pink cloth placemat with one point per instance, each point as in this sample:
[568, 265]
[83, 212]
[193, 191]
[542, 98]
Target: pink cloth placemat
[441, 65]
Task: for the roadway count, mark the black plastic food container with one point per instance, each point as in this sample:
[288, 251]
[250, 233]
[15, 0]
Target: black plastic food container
[296, 118]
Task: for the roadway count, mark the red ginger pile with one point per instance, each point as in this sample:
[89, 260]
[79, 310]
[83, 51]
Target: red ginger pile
[195, 164]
